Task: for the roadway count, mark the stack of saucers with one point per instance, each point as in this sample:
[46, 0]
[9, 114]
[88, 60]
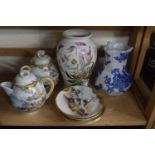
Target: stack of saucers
[79, 103]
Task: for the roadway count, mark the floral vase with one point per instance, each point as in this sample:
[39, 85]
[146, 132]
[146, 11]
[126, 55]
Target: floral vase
[76, 56]
[115, 78]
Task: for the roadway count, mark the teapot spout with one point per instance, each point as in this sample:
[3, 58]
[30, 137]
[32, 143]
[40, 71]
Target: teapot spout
[7, 86]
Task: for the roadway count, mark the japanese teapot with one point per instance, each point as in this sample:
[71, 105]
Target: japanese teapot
[27, 93]
[42, 66]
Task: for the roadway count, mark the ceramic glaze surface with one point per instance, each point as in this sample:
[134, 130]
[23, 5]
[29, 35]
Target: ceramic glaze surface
[42, 66]
[115, 78]
[27, 100]
[76, 56]
[79, 102]
[30, 96]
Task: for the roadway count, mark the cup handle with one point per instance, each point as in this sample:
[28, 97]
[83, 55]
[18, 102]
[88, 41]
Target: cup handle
[45, 79]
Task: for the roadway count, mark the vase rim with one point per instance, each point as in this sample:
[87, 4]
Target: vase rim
[77, 34]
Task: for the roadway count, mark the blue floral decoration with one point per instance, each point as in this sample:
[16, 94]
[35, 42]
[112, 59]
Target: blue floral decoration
[118, 80]
[16, 101]
[107, 62]
[122, 57]
[99, 86]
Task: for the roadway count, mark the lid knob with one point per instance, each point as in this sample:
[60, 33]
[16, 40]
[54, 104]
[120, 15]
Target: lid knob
[25, 68]
[24, 73]
[25, 76]
[41, 53]
[41, 58]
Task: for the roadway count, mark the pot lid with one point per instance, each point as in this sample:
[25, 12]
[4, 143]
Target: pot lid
[25, 76]
[41, 58]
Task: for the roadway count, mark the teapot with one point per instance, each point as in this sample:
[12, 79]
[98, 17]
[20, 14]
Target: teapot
[42, 66]
[27, 93]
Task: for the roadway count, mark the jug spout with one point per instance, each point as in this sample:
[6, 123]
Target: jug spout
[7, 86]
[129, 49]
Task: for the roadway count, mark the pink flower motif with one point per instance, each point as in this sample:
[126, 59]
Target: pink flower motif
[87, 56]
[80, 44]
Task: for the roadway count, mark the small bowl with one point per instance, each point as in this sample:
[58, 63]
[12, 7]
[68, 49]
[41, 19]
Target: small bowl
[79, 103]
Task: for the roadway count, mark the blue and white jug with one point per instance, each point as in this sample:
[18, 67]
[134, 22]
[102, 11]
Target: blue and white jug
[115, 78]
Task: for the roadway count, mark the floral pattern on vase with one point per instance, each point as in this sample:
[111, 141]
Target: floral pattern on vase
[76, 57]
[115, 78]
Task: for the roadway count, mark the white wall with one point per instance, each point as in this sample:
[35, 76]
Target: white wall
[29, 38]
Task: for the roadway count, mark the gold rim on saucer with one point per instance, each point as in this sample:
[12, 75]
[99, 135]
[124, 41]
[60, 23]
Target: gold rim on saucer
[86, 118]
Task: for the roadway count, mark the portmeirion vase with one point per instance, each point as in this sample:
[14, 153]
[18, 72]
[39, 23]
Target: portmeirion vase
[42, 66]
[115, 78]
[76, 56]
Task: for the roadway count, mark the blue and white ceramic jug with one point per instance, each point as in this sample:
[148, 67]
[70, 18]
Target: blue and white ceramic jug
[115, 78]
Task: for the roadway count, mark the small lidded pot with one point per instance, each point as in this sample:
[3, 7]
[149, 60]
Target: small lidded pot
[42, 66]
[27, 93]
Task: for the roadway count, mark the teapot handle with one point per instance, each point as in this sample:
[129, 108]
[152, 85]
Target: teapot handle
[45, 79]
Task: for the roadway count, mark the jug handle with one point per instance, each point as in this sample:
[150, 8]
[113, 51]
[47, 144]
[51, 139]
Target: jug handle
[43, 80]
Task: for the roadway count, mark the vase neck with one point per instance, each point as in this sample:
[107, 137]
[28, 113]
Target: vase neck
[77, 34]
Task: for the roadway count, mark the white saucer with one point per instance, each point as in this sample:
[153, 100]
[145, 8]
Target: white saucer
[85, 93]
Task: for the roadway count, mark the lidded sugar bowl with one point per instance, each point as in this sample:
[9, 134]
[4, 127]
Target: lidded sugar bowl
[27, 93]
[42, 66]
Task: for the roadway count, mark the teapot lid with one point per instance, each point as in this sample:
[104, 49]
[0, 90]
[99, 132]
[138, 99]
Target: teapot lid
[25, 76]
[41, 58]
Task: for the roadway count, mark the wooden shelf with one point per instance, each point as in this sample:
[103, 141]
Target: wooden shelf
[29, 52]
[25, 52]
[106, 28]
[119, 111]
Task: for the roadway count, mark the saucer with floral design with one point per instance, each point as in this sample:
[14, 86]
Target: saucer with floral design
[79, 103]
